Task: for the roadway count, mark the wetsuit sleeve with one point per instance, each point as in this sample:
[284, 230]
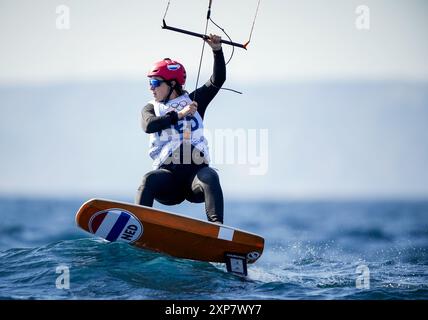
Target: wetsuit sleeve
[207, 92]
[151, 123]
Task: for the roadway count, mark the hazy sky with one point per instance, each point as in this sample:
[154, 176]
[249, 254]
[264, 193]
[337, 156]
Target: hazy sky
[346, 109]
[304, 39]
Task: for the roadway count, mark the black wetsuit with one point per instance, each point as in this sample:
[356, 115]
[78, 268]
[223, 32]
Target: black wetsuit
[196, 182]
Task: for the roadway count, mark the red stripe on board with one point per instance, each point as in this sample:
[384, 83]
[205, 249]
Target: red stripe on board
[96, 222]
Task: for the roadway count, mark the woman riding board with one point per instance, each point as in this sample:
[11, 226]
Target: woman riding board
[174, 120]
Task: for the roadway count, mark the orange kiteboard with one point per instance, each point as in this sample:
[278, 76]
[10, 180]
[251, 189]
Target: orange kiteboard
[170, 233]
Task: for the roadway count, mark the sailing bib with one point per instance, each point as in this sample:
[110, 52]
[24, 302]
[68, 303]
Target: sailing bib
[188, 130]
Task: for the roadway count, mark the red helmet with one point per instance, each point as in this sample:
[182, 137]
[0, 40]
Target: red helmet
[169, 70]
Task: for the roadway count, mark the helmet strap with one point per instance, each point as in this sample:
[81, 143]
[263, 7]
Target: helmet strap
[171, 89]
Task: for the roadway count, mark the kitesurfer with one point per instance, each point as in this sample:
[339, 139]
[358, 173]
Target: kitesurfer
[178, 148]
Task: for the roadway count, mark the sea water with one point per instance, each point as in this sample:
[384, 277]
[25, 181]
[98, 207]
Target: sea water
[313, 250]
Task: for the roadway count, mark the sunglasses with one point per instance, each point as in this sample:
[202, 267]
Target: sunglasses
[154, 83]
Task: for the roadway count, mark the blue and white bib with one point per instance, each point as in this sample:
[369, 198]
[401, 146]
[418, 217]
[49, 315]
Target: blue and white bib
[187, 130]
